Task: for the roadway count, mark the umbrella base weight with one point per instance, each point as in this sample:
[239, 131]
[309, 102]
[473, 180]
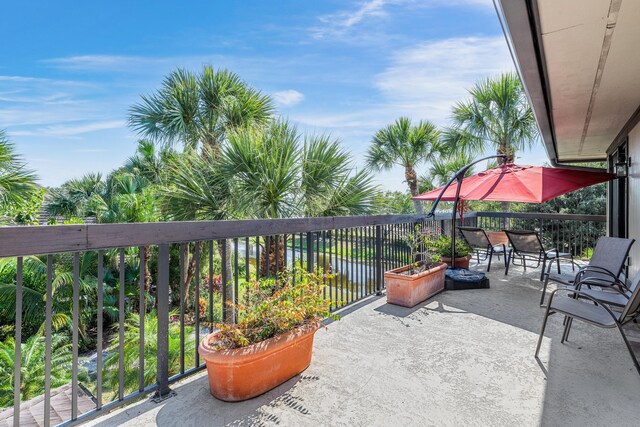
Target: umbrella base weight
[462, 279]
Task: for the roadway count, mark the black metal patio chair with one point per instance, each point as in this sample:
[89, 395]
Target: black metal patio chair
[590, 307]
[527, 246]
[604, 269]
[478, 239]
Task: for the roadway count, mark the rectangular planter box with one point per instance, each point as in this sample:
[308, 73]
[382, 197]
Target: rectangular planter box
[407, 291]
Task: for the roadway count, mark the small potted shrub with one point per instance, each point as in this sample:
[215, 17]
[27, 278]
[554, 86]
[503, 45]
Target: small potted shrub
[416, 282]
[272, 340]
[442, 247]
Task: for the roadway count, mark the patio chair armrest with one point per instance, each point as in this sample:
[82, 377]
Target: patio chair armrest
[614, 279]
[577, 293]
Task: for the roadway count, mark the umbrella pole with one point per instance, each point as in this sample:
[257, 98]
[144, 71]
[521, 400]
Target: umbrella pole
[459, 176]
[453, 221]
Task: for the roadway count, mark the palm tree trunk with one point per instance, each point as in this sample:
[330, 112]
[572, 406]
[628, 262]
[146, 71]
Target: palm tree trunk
[411, 177]
[147, 273]
[191, 271]
[228, 289]
[268, 265]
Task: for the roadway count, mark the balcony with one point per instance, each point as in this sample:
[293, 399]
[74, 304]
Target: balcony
[460, 358]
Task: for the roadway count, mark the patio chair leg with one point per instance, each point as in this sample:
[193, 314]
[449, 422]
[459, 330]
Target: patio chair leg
[544, 289]
[490, 257]
[544, 325]
[573, 264]
[631, 353]
[524, 263]
[558, 263]
[567, 329]
[544, 266]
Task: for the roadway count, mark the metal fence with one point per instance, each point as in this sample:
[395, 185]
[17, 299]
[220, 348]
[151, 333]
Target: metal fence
[210, 262]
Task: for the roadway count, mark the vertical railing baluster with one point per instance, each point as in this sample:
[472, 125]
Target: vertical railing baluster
[285, 239]
[47, 351]
[121, 316]
[226, 315]
[309, 251]
[196, 299]
[17, 361]
[142, 310]
[378, 260]
[257, 257]
[325, 270]
[365, 255]
[355, 262]
[293, 256]
[211, 280]
[75, 313]
[342, 267]
[182, 265]
[236, 279]
[332, 267]
[267, 255]
[99, 332]
[162, 369]
[277, 253]
[247, 260]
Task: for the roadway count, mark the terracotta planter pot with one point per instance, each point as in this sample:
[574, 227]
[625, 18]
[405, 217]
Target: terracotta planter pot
[409, 290]
[247, 372]
[461, 262]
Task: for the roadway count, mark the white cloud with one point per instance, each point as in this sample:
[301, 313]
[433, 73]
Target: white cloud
[427, 79]
[287, 98]
[71, 129]
[339, 23]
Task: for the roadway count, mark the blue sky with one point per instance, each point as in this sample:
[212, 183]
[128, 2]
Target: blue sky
[71, 70]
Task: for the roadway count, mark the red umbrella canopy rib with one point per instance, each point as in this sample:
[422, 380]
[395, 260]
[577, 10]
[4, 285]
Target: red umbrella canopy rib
[514, 183]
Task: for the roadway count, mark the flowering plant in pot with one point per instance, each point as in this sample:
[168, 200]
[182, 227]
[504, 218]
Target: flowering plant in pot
[423, 278]
[442, 247]
[273, 338]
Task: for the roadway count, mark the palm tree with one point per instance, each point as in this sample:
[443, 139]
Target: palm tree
[72, 198]
[401, 144]
[17, 183]
[199, 110]
[197, 189]
[274, 176]
[496, 118]
[444, 168]
[132, 352]
[32, 372]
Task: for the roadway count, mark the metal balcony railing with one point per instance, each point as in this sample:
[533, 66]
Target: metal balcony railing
[205, 263]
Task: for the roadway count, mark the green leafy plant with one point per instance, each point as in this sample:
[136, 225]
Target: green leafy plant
[421, 242]
[275, 306]
[442, 247]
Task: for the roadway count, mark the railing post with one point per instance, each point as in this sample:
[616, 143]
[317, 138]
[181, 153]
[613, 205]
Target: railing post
[309, 252]
[378, 260]
[162, 373]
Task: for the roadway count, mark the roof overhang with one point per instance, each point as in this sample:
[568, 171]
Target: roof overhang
[579, 64]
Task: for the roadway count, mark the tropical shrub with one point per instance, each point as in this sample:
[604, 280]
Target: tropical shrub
[32, 368]
[274, 306]
[442, 247]
[132, 352]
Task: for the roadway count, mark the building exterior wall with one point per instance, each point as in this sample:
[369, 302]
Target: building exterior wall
[634, 198]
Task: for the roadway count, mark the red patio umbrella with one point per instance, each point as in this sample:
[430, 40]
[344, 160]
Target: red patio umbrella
[514, 183]
[510, 183]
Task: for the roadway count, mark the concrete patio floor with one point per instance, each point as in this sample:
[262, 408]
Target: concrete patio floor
[462, 358]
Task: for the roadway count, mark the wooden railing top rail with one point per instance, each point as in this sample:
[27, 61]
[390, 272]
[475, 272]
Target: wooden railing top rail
[35, 240]
[32, 240]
